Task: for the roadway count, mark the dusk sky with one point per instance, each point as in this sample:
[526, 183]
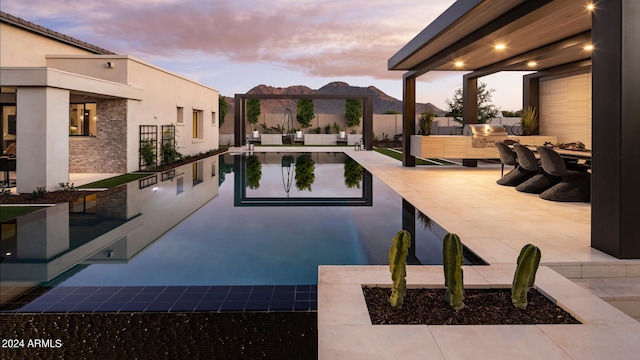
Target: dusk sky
[233, 46]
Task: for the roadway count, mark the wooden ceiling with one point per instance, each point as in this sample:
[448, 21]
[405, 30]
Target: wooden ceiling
[549, 33]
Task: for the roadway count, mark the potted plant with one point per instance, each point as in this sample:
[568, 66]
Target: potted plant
[353, 112]
[352, 173]
[528, 121]
[254, 172]
[304, 112]
[425, 121]
[253, 113]
[304, 172]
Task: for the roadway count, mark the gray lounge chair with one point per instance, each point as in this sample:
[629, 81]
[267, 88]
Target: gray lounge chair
[574, 186]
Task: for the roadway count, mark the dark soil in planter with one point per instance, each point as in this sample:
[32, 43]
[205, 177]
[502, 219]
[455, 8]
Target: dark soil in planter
[482, 307]
[200, 335]
[52, 197]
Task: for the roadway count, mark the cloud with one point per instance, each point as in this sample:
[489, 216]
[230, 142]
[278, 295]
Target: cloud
[329, 38]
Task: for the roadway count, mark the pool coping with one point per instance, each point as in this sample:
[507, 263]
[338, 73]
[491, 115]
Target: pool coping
[345, 330]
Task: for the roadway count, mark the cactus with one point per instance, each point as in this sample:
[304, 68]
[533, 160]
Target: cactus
[525, 275]
[397, 265]
[453, 277]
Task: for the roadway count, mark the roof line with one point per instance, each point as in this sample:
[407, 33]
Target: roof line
[41, 30]
[501, 21]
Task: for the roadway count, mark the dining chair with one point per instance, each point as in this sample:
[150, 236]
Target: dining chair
[541, 181]
[574, 186]
[507, 156]
[517, 175]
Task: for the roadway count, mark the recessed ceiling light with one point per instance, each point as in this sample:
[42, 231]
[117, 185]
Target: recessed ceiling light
[459, 64]
[590, 7]
[532, 64]
[501, 46]
[588, 47]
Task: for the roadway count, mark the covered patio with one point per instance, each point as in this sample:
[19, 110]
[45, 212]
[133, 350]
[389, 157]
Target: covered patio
[556, 40]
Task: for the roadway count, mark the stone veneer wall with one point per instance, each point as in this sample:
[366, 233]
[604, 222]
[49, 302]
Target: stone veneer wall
[112, 204]
[107, 151]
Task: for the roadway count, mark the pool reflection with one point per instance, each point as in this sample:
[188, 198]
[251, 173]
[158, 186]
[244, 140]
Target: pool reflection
[105, 227]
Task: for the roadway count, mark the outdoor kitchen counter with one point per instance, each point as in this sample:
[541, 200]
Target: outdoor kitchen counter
[461, 147]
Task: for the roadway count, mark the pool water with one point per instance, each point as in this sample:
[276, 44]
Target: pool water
[229, 223]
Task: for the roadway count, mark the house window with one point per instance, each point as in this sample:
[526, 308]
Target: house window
[179, 185]
[196, 124]
[8, 128]
[213, 169]
[180, 115]
[196, 170]
[83, 119]
[213, 118]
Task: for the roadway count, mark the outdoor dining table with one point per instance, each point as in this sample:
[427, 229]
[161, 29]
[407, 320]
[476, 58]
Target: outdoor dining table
[583, 157]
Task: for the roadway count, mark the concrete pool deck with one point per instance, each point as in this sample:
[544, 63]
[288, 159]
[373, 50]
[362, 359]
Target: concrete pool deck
[495, 222]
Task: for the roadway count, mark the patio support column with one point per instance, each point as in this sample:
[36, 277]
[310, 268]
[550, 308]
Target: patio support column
[470, 108]
[531, 92]
[367, 119]
[238, 128]
[408, 118]
[615, 127]
[470, 100]
[43, 138]
[409, 224]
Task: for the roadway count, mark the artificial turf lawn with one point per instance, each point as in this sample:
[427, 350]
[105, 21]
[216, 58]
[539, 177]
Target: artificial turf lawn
[114, 181]
[10, 212]
[398, 156]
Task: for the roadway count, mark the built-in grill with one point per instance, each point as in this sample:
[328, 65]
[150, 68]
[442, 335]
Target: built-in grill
[485, 135]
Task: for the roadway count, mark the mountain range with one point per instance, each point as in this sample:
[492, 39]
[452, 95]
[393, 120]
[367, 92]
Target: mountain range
[382, 103]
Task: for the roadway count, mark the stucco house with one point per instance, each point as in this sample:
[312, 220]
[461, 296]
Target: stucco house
[73, 107]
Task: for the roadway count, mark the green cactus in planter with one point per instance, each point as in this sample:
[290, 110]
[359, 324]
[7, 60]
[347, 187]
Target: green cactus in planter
[525, 275]
[397, 265]
[453, 277]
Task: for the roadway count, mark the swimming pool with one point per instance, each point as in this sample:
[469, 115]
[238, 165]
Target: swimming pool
[228, 223]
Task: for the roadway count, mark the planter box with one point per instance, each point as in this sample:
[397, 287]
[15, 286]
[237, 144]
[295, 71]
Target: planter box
[271, 139]
[345, 330]
[320, 139]
[354, 138]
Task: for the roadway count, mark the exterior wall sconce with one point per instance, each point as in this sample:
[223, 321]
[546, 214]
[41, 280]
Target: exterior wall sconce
[110, 65]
